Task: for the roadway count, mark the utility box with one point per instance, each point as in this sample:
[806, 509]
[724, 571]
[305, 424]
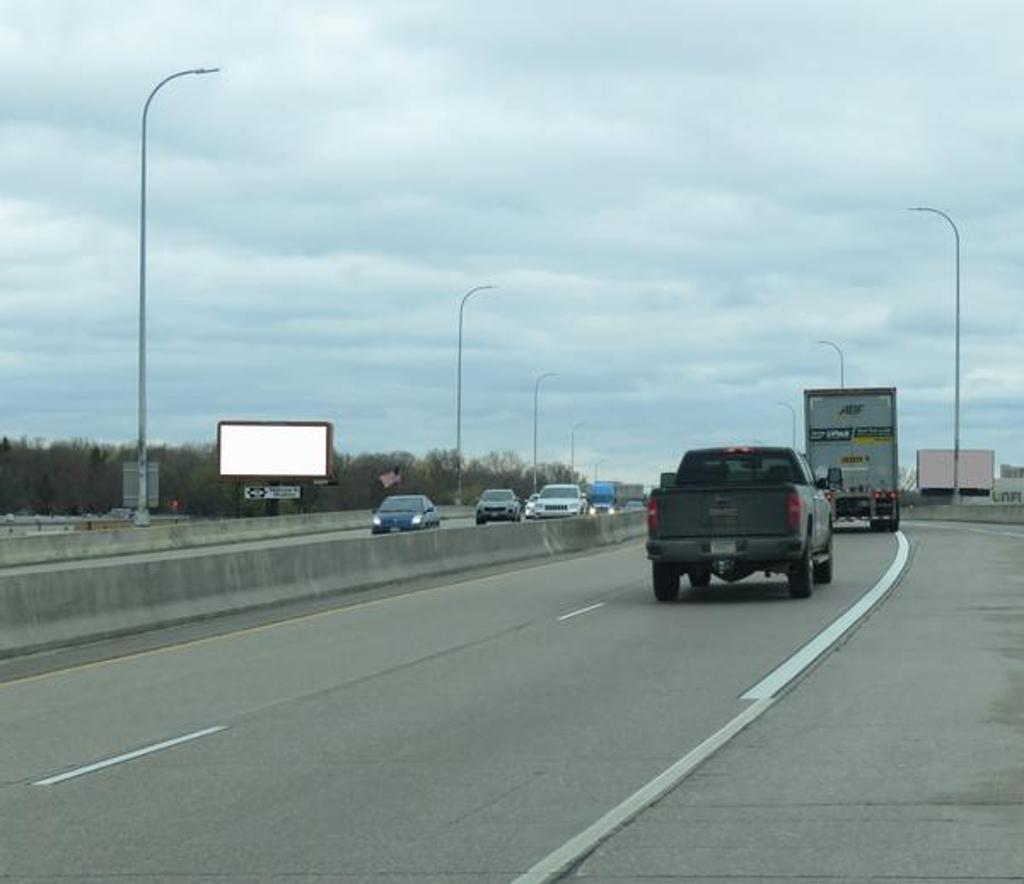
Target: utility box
[130, 484]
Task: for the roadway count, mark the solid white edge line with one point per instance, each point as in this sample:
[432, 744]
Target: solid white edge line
[582, 611]
[778, 678]
[555, 864]
[128, 756]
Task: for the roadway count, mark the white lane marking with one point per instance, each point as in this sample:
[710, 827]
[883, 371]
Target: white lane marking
[555, 864]
[128, 756]
[582, 611]
[776, 680]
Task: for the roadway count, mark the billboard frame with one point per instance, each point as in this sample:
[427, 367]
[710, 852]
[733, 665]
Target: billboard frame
[966, 455]
[278, 479]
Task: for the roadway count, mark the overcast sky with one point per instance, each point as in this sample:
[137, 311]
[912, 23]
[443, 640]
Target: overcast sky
[676, 200]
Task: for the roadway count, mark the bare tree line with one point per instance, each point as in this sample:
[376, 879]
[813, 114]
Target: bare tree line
[79, 477]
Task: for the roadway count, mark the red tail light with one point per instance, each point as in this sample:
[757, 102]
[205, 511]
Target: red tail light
[652, 516]
[794, 512]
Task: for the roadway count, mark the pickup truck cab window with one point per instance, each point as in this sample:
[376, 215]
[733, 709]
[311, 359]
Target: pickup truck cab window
[740, 466]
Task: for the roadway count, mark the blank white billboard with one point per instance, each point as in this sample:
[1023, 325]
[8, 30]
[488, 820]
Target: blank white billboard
[275, 450]
[935, 469]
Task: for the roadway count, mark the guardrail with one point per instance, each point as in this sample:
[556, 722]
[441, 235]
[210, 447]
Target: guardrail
[64, 603]
[75, 545]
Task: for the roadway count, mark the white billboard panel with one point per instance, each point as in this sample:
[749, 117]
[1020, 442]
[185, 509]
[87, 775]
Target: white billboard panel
[935, 469]
[275, 449]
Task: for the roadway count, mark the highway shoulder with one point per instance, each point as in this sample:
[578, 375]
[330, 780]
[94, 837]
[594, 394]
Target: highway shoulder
[900, 758]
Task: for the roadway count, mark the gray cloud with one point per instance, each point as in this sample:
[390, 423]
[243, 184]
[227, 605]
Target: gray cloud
[675, 200]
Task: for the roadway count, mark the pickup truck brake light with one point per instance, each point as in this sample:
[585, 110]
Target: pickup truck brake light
[794, 512]
[652, 516]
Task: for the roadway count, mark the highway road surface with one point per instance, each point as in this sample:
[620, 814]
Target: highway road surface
[466, 730]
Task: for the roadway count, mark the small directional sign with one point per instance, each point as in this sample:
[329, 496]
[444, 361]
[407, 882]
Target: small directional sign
[273, 492]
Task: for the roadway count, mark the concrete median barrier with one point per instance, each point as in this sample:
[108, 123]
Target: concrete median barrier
[73, 546]
[998, 514]
[62, 603]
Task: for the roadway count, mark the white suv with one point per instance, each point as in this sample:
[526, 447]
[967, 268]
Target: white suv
[559, 502]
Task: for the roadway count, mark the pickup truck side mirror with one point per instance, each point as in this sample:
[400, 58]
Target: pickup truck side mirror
[668, 480]
[821, 483]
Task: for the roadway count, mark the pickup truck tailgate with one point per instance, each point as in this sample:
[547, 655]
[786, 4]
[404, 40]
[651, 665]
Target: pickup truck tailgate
[697, 512]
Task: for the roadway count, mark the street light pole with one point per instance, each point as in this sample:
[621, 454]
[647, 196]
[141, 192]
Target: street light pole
[536, 391]
[596, 465]
[141, 519]
[956, 396]
[793, 412]
[842, 367]
[572, 448]
[458, 397]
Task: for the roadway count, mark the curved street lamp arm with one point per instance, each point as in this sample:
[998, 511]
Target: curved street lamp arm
[458, 396]
[142, 512]
[842, 361]
[956, 400]
[940, 213]
[536, 391]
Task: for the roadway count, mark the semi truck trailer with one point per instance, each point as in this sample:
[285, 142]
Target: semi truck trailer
[852, 442]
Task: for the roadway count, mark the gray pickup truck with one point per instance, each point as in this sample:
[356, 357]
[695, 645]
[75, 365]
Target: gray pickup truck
[734, 511]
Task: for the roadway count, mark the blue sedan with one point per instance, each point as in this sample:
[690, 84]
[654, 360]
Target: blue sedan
[405, 512]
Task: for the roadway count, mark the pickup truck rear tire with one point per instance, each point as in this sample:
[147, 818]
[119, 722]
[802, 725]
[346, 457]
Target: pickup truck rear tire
[801, 578]
[666, 581]
[700, 577]
[823, 570]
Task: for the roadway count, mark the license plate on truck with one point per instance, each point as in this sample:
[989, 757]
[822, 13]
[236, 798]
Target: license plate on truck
[723, 547]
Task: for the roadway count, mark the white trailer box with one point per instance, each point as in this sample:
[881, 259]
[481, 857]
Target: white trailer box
[852, 439]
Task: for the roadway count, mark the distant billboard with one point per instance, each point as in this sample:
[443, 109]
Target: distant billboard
[935, 470]
[275, 449]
